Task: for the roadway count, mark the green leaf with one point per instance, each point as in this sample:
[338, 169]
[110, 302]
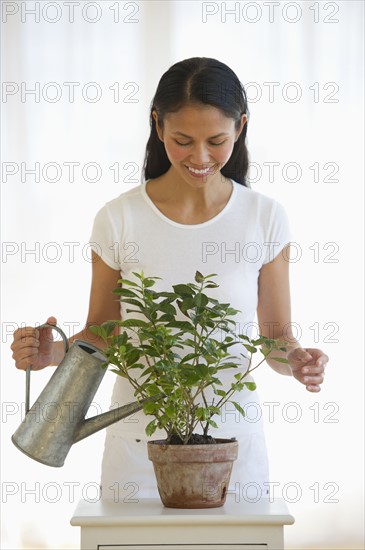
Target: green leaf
[151, 407]
[212, 423]
[249, 348]
[119, 373]
[151, 428]
[95, 329]
[227, 366]
[149, 282]
[188, 357]
[258, 341]
[167, 309]
[199, 277]
[130, 323]
[185, 304]
[192, 379]
[125, 292]
[150, 351]
[250, 385]
[120, 339]
[132, 357]
[183, 290]
[182, 325]
[153, 389]
[200, 300]
[170, 411]
[128, 283]
[109, 327]
[133, 302]
[232, 311]
[238, 407]
[202, 413]
[164, 420]
[166, 318]
[202, 369]
[280, 359]
[133, 311]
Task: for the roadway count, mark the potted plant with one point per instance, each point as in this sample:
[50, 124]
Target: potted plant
[174, 349]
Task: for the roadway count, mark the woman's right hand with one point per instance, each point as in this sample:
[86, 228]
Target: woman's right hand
[33, 346]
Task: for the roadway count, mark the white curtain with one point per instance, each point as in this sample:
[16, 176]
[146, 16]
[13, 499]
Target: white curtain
[78, 140]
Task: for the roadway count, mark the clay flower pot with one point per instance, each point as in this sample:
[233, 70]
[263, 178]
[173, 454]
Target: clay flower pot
[193, 476]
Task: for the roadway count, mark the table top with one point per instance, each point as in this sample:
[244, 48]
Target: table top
[152, 512]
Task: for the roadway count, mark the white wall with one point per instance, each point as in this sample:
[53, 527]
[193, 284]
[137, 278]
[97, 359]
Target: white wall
[316, 461]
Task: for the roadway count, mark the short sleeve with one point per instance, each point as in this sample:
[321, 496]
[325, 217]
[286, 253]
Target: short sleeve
[103, 238]
[278, 233]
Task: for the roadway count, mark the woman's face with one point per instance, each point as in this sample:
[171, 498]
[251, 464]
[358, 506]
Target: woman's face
[199, 141]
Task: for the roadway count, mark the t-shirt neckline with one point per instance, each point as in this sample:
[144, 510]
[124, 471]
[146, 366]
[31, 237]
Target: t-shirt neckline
[168, 220]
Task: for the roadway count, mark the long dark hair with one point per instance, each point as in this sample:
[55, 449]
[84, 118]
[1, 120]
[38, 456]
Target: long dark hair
[198, 80]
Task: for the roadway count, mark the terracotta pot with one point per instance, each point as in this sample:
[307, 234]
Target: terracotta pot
[193, 476]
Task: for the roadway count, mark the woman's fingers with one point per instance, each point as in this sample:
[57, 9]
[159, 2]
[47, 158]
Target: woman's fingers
[308, 367]
[33, 346]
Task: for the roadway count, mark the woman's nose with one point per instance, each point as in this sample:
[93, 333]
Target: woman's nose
[200, 155]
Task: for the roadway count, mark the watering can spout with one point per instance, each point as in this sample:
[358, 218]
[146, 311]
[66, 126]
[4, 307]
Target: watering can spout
[96, 423]
[57, 419]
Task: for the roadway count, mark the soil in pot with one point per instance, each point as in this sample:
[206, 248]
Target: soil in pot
[195, 475]
[195, 439]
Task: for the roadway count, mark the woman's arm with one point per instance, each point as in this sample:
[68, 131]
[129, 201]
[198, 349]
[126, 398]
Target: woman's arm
[274, 316]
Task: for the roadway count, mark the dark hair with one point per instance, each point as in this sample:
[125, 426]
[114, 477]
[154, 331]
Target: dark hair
[196, 81]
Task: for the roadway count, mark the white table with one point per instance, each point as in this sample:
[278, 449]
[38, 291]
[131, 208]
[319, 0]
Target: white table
[148, 525]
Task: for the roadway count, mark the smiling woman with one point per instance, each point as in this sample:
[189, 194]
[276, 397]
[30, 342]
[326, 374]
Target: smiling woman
[195, 193]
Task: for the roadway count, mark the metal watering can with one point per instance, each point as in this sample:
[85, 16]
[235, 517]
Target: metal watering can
[48, 438]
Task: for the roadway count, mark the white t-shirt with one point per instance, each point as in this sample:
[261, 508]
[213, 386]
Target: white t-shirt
[131, 234]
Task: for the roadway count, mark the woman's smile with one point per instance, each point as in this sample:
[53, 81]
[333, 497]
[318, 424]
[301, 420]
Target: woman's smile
[201, 172]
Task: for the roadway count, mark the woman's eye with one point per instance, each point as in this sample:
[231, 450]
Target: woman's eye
[186, 144]
[182, 144]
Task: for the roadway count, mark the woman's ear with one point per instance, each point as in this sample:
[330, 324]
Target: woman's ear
[243, 122]
[158, 128]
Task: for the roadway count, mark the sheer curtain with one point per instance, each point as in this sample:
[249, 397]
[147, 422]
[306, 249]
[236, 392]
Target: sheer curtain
[78, 78]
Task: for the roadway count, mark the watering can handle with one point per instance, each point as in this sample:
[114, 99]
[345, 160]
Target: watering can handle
[27, 379]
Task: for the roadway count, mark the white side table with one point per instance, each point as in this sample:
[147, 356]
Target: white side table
[148, 525]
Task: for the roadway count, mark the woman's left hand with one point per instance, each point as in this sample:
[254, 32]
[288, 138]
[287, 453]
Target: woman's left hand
[308, 365]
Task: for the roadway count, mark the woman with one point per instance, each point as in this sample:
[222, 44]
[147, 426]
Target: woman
[193, 211]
